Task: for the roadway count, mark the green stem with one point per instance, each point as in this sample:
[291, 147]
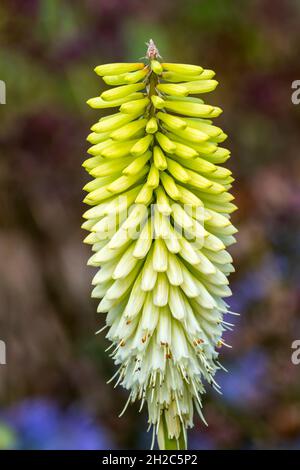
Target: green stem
[166, 443]
[174, 444]
[153, 80]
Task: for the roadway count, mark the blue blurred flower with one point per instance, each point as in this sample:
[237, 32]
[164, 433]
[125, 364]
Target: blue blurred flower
[256, 284]
[201, 441]
[244, 385]
[42, 424]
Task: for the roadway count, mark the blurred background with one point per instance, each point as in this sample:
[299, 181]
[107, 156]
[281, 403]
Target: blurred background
[53, 392]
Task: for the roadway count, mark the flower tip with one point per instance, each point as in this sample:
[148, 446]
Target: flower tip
[152, 51]
[98, 70]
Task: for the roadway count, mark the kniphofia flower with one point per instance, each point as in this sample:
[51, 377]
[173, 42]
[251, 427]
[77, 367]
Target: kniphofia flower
[159, 228]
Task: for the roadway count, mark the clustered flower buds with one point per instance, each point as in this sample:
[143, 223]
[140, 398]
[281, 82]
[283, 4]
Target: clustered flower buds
[159, 228]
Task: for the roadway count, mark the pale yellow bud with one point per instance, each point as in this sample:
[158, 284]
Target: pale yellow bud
[117, 68]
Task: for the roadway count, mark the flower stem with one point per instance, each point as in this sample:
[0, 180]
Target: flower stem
[167, 443]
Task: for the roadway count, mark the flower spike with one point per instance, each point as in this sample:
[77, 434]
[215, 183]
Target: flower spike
[159, 226]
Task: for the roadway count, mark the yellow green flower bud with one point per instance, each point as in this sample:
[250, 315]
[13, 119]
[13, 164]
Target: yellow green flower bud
[142, 145]
[153, 177]
[117, 68]
[178, 171]
[137, 164]
[125, 78]
[172, 89]
[211, 131]
[157, 102]
[96, 138]
[185, 151]
[124, 182]
[99, 103]
[134, 106]
[114, 121]
[118, 149]
[177, 77]
[166, 144]
[97, 148]
[201, 86]
[188, 108]
[145, 195]
[151, 126]
[182, 68]
[159, 158]
[129, 130]
[107, 167]
[174, 122]
[156, 67]
[169, 186]
[188, 133]
[121, 91]
[134, 77]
